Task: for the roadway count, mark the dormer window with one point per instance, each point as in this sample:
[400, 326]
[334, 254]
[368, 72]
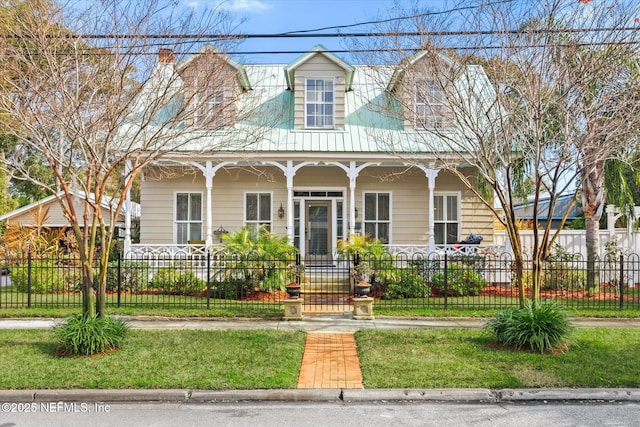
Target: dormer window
[431, 109]
[319, 103]
[209, 107]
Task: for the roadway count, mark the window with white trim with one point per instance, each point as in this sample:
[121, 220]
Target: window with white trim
[188, 221]
[258, 210]
[446, 213]
[209, 107]
[377, 215]
[431, 109]
[319, 103]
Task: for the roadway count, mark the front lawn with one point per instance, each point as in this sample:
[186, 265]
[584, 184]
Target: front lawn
[231, 359]
[266, 359]
[427, 358]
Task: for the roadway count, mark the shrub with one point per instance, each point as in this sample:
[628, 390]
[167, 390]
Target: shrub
[133, 276]
[561, 275]
[561, 272]
[45, 277]
[229, 289]
[402, 283]
[170, 280]
[537, 328]
[462, 280]
[84, 335]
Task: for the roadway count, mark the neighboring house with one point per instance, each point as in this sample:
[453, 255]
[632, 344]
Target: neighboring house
[320, 169]
[31, 215]
[525, 211]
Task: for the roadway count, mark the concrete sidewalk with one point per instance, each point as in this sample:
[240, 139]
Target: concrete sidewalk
[330, 324]
[316, 323]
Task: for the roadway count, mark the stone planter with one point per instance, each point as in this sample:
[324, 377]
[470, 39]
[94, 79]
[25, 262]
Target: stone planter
[293, 309]
[363, 308]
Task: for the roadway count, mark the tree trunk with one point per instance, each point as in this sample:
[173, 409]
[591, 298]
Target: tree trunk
[88, 293]
[592, 204]
[592, 224]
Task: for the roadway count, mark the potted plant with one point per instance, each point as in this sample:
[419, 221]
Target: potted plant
[293, 275]
[361, 274]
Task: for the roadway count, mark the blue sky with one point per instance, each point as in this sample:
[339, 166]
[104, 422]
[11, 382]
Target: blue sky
[278, 16]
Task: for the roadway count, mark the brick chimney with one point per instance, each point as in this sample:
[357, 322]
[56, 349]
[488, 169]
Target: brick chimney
[166, 56]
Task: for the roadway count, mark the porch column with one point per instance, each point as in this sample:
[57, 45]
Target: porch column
[353, 174]
[431, 178]
[127, 214]
[289, 173]
[209, 173]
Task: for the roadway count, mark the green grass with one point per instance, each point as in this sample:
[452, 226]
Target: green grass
[265, 359]
[598, 357]
[234, 359]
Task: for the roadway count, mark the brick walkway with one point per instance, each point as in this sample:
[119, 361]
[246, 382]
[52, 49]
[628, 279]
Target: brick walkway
[330, 360]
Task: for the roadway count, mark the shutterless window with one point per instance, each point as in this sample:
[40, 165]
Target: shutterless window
[188, 217]
[377, 215]
[319, 103]
[258, 210]
[209, 111]
[446, 219]
[431, 111]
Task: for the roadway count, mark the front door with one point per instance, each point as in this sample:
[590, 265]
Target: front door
[318, 232]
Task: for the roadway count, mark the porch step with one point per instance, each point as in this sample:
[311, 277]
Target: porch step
[326, 280]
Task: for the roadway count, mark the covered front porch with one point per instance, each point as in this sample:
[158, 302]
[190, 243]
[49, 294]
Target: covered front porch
[315, 204]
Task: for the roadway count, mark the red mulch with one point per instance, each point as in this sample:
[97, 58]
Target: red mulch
[507, 291]
[63, 352]
[261, 296]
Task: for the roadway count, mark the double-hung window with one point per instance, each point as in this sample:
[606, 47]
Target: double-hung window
[431, 110]
[446, 218]
[319, 103]
[209, 111]
[188, 217]
[258, 210]
[377, 215]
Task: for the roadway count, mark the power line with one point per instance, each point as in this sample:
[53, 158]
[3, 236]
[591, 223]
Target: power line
[324, 35]
[384, 21]
[92, 51]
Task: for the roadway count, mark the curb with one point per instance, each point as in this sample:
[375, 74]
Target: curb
[323, 395]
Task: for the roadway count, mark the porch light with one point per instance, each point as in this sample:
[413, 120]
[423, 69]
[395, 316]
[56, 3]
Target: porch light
[356, 212]
[220, 232]
[281, 212]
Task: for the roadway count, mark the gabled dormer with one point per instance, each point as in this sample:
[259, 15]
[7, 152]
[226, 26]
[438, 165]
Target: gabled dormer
[421, 84]
[318, 81]
[212, 82]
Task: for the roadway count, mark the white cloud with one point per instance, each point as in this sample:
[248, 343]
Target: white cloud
[245, 5]
[193, 4]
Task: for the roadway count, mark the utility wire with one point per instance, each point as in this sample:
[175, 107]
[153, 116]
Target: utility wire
[384, 21]
[326, 35]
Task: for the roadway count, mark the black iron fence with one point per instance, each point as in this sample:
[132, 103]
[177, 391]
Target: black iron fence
[257, 283]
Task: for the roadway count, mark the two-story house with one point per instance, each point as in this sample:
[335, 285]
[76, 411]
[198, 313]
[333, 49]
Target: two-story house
[316, 166]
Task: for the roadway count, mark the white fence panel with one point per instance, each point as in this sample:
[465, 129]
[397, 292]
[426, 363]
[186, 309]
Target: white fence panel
[574, 241]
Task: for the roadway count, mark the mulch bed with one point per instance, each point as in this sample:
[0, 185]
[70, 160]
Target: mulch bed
[506, 291]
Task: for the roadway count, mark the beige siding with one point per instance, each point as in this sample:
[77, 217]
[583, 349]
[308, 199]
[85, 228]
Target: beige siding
[319, 67]
[409, 201]
[229, 188]
[408, 189]
[55, 216]
[476, 217]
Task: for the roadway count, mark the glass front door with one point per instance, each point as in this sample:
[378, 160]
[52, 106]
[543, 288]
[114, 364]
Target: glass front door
[318, 214]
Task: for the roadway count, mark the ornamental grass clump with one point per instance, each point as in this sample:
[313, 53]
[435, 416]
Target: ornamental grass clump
[537, 328]
[86, 335]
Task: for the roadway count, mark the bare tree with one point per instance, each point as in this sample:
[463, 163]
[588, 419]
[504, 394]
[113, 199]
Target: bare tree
[84, 92]
[556, 105]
